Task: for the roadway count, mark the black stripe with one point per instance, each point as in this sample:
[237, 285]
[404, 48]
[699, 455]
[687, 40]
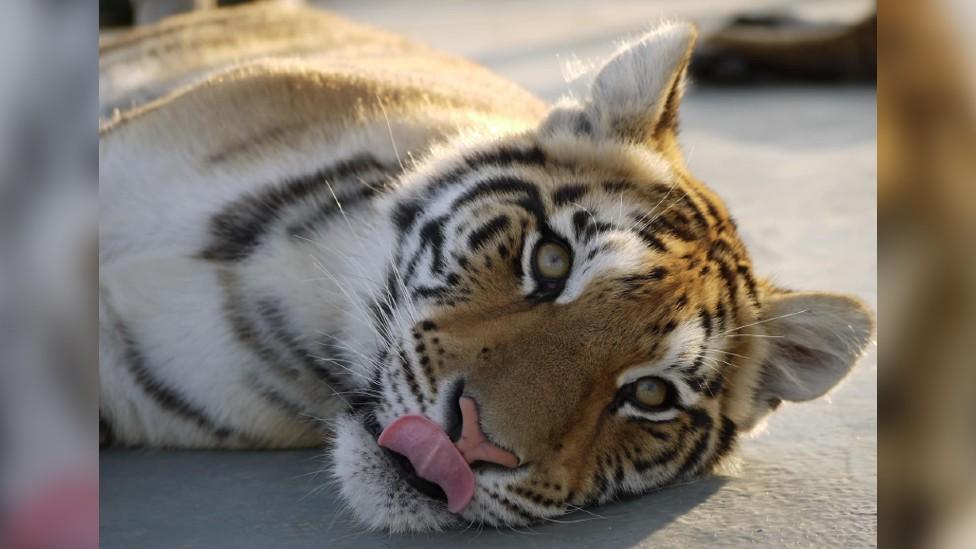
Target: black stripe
[428, 292]
[262, 327]
[651, 240]
[706, 322]
[405, 214]
[663, 225]
[432, 238]
[635, 282]
[504, 156]
[746, 274]
[409, 212]
[306, 227]
[581, 220]
[720, 315]
[715, 385]
[731, 281]
[486, 232]
[600, 483]
[596, 227]
[666, 456]
[569, 194]
[535, 497]
[508, 504]
[412, 381]
[699, 418]
[719, 249]
[695, 456]
[494, 186]
[240, 226]
[726, 440]
[712, 210]
[280, 401]
[166, 397]
[695, 212]
[275, 319]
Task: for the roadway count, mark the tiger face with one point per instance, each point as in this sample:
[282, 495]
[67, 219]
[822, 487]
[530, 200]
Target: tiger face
[575, 316]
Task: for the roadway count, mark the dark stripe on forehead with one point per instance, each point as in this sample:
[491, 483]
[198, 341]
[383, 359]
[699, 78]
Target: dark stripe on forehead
[432, 238]
[597, 227]
[503, 156]
[580, 220]
[407, 213]
[486, 232]
[569, 194]
[495, 186]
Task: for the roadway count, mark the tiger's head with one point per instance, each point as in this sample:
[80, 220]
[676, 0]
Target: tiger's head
[571, 317]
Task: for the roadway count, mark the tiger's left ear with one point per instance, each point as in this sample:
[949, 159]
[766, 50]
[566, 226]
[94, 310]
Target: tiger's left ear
[814, 339]
[636, 93]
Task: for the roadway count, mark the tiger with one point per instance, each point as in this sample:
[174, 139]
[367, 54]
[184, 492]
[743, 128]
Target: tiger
[486, 309]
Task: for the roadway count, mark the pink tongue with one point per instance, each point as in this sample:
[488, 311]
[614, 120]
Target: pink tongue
[433, 456]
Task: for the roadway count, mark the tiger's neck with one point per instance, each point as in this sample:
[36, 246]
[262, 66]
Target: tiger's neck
[313, 285]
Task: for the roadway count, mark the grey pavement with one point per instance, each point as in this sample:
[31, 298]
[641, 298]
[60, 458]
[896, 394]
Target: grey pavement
[797, 168]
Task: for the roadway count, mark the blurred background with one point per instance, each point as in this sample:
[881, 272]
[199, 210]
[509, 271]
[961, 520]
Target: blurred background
[787, 138]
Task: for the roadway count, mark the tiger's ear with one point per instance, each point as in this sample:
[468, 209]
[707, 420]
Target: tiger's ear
[636, 93]
[815, 340]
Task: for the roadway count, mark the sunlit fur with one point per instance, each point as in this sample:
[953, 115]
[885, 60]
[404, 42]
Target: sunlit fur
[279, 263]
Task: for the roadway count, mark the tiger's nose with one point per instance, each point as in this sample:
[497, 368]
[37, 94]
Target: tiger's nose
[473, 444]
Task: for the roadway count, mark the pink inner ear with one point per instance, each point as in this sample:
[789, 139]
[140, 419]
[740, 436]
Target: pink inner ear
[473, 444]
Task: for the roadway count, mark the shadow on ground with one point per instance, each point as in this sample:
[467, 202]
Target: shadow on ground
[170, 500]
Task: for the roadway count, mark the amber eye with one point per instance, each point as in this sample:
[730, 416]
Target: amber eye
[552, 260]
[651, 392]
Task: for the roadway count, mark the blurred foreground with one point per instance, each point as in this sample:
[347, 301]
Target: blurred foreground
[927, 208]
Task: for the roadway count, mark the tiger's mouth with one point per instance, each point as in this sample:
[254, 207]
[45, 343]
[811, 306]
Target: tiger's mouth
[404, 469]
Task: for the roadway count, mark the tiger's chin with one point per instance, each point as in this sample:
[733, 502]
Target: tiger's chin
[373, 487]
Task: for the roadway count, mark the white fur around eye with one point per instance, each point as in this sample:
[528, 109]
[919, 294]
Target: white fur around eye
[630, 410]
[528, 281]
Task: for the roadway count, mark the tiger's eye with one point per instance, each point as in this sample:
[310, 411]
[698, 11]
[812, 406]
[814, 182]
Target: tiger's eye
[651, 392]
[552, 260]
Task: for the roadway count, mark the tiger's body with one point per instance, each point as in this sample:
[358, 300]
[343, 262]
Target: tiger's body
[311, 226]
[341, 134]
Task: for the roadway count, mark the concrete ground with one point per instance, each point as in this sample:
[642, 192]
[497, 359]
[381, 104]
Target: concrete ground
[796, 166]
